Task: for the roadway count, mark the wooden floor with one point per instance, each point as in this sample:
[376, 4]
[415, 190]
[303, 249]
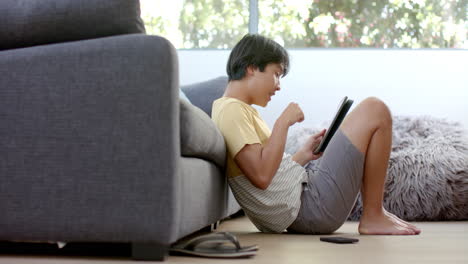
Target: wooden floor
[440, 242]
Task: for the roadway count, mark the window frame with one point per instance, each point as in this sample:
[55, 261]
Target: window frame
[253, 16]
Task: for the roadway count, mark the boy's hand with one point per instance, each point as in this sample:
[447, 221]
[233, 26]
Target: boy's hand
[312, 143]
[306, 153]
[292, 114]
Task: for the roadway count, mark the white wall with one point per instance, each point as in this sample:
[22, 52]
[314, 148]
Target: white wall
[411, 82]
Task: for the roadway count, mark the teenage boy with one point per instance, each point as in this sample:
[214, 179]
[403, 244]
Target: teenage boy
[274, 189]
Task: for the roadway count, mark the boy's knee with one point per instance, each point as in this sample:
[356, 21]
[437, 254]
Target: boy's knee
[378, 111]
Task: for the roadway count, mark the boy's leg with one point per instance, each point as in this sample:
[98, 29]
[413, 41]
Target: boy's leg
[332, 188]
[369, 128]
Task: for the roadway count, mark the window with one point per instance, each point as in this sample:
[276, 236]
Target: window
[311, 23]
[197, 23]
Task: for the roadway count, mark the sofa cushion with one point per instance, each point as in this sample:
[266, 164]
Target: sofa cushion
[28, 23]
[182, 95]
[199, 135]
[203, 94]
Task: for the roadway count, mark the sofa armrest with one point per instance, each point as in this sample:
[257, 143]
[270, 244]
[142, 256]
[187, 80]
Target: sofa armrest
[89, 139]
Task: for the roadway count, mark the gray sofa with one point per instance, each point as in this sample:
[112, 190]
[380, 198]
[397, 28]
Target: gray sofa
[95, 145]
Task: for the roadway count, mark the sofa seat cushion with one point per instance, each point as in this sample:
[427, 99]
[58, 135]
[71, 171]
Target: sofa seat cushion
[28, 23]
[199, 135]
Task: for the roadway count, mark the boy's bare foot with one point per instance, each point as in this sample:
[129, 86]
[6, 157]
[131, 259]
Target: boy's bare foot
[385, 223]
[404, 223]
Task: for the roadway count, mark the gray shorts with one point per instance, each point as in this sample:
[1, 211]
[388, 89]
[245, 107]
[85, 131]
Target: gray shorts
[334, 184]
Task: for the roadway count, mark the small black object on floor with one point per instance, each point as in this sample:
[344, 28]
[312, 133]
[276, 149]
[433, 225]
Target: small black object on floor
[339, 240]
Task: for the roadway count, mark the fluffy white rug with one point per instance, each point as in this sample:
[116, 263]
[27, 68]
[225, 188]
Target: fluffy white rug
[427, 176]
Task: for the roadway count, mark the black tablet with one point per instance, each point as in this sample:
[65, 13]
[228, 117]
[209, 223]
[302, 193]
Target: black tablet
[343, 109]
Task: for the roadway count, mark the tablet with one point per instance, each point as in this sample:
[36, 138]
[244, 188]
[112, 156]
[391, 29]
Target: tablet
[343, 109]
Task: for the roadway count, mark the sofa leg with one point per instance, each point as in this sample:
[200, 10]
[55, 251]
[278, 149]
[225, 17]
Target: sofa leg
[149, 251]
[211, 228]
[215, 226]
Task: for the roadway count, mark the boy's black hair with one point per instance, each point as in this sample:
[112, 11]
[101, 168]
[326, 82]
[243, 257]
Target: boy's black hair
[257, 51]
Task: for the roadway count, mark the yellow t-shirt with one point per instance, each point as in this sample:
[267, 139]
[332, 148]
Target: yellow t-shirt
[240, 125]
[272, 209]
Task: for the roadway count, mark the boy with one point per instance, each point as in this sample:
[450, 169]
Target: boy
[274, 189]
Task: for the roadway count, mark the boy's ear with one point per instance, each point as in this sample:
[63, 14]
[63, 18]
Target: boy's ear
[250, 69]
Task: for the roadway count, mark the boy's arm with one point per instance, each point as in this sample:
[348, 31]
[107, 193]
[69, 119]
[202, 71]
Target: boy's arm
[260, 163]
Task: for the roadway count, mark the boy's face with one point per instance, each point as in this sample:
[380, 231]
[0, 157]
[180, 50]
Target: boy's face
[265, 84]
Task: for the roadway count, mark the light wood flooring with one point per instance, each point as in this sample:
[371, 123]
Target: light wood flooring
[439, 242]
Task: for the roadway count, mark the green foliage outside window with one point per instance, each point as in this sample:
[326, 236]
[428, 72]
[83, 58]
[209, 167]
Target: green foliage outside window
[214, 23]
[313, 23]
